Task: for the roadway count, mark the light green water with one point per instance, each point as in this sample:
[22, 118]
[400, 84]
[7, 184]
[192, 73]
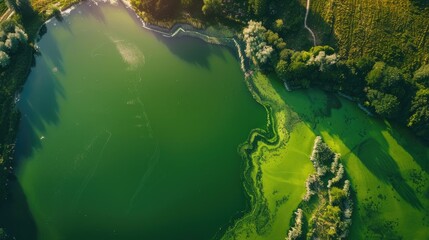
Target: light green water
[128, 135]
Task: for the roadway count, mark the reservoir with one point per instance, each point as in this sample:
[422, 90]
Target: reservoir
[126, 134]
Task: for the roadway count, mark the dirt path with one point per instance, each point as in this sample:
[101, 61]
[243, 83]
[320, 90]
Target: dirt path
[307, 10]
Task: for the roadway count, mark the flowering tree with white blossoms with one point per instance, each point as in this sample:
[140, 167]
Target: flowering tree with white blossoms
[256, 46]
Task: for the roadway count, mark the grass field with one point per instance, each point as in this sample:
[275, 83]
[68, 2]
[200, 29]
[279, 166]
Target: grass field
[394, 31]
[388, 168]
[3, 7]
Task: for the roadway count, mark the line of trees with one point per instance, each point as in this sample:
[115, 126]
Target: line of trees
[11, 37]
[327, 202]
[13, 44]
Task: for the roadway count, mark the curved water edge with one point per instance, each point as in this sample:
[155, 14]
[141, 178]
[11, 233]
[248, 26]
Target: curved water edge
[179, 29]
[307, 113]
[58, 63]
[267, 136]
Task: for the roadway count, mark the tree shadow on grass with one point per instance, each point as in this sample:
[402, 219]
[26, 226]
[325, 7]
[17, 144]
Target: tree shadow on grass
[420, 3]
[418, 150]
[374, 156]
[359, 133]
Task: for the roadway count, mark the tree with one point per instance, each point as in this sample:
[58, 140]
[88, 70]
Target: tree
[256, 46]
[258, 7]
[3, 35]
[212, 7]
[387, 79]
[278, 25]
[286, 54]
[57, 14]
[273, 39]
[186, 3]
[22, 36]
[3, 47]
[387, 105]
[299, 72]
[421, 76]
[419, 119]
[159, 8]
[327, 49]
[4, 59]
[323, 61]
[12, 42]
[282, 69]
[12, 5]
[7, 26]
[3, 234]
[336, 196]
[354, 73]
[327, 225]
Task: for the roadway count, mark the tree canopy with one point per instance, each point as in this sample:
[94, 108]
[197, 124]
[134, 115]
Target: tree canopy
[257, 47]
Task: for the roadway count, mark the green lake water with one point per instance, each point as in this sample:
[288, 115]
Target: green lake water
[126, 134]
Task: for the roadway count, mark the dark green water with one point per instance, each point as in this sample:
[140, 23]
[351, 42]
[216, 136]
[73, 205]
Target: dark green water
[128, 135]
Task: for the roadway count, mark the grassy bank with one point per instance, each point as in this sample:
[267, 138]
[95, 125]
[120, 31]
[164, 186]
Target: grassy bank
[386, 165]
[275, 185]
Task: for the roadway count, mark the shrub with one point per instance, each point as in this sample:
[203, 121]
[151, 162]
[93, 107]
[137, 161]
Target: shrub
[12, 42]
[296, 231]
[4, 59]
[421, 76]
[256, 46]
[22, 36]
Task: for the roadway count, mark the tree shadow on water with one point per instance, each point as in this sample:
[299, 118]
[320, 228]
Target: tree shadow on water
[15, 214]
[39, 103]
[50, 50]
[189, 49]
[95, 11]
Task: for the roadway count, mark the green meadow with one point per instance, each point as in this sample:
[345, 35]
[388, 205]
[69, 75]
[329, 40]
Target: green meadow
[386, 165]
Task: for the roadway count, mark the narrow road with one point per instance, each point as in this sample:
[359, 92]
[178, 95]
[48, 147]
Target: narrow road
[307, 10]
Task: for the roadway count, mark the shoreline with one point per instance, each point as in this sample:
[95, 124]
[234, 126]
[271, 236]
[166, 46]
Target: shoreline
[178, 29]
[185, 30]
